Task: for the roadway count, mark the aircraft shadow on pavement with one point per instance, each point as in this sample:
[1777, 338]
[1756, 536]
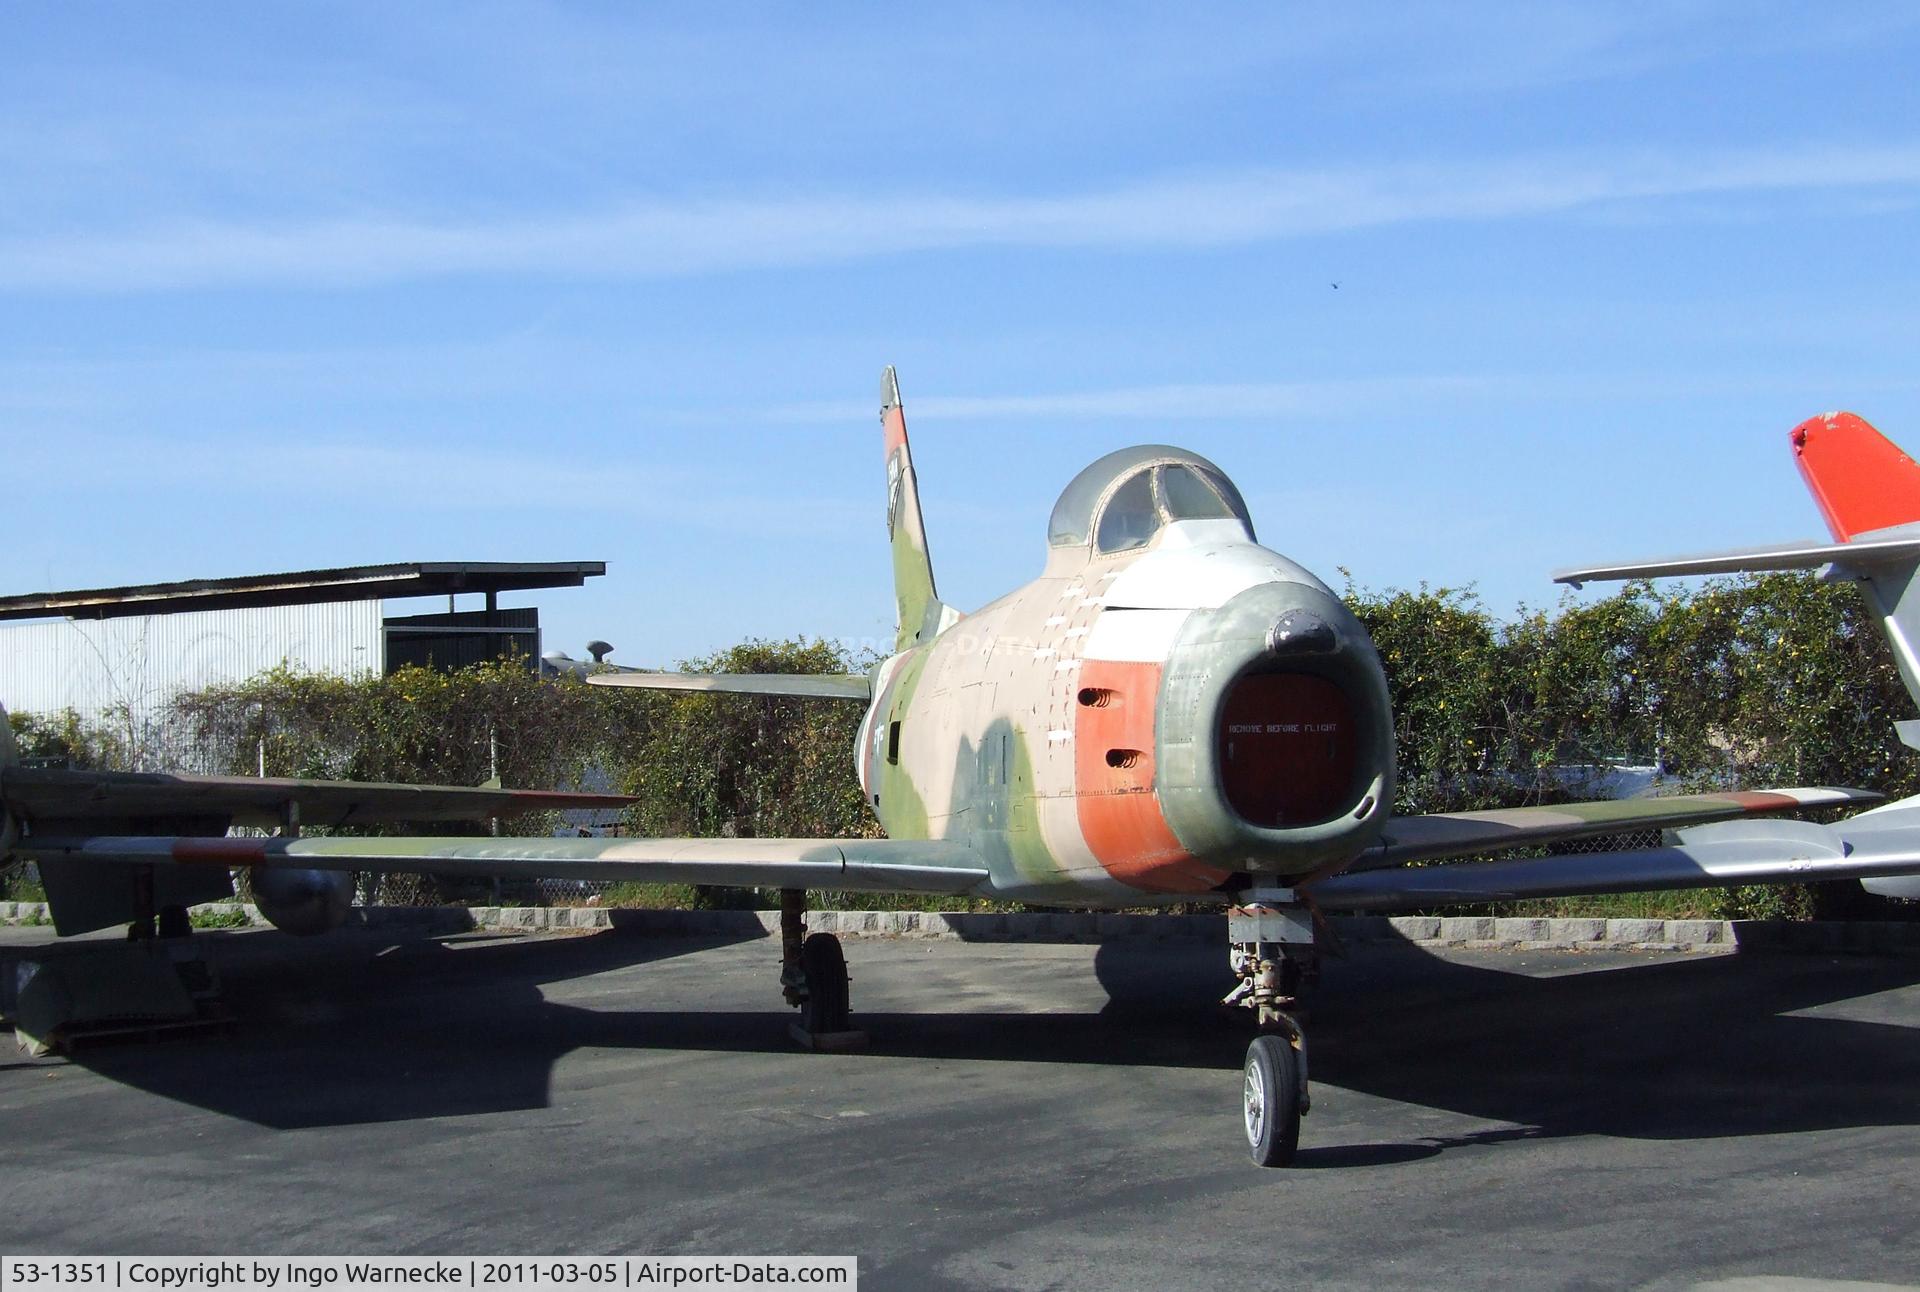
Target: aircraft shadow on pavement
[354, 1029]
[1666, 1048]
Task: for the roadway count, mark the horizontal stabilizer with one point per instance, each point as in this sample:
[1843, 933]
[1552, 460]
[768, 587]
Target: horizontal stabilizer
[1804, 555]
[1462, 834]
[829, 686]
[869, 865]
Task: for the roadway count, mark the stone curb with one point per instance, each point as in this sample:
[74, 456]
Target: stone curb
[1857, 937]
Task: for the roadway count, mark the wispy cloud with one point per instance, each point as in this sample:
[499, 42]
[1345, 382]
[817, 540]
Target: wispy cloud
[330, 471]
[661, 238]
[1206, 401]
[1297, 401]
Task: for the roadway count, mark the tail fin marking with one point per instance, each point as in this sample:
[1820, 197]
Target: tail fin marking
[921, 613]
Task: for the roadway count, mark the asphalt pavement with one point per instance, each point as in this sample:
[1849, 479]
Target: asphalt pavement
[1027, 1116]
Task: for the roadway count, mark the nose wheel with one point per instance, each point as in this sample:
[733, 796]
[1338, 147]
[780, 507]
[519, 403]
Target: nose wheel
[1274, 1090]
[1272, 938]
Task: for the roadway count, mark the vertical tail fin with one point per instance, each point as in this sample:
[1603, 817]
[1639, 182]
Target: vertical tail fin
[1860, 478]
[1868, 489]
[921, 611]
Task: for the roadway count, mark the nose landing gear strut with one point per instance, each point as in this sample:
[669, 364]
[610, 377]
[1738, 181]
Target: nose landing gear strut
[1271, 937]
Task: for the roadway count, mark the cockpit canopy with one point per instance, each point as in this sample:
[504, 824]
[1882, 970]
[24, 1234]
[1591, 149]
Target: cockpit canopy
[1123, 500]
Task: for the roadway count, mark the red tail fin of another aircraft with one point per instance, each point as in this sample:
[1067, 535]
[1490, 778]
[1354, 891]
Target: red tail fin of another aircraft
[1869, 492]
[1860, 479]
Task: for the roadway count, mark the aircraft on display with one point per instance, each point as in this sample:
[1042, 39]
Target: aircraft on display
[1868, 491]
[1170, 712]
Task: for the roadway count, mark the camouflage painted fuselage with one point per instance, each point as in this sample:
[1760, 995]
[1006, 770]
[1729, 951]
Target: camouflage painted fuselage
[1167, 710]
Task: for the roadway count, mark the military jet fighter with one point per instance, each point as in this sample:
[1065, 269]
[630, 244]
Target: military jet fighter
[1170, 712]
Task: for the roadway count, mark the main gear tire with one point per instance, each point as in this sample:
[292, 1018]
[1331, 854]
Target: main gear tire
[825, 966]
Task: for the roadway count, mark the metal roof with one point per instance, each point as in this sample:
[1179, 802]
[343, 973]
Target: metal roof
[351, 583]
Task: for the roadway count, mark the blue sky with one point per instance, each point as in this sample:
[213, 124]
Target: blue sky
[289, 286]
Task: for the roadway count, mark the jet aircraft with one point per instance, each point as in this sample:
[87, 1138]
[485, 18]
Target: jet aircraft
[1868, 491]
[1170, 712]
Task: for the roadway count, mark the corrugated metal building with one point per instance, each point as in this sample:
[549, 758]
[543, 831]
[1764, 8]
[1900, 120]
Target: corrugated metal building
[119, 655]
[98, 667]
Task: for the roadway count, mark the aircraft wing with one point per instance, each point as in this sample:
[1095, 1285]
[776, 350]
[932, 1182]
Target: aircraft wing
[1876, 844]
[827, 686]
[875, 865]
[1461, 834]
[59, 795]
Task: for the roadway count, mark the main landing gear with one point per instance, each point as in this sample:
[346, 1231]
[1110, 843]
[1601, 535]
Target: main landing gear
[1273, 954]
[813, 977]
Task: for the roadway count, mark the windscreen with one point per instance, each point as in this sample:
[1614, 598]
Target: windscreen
[1130, 519]
[1186, 495]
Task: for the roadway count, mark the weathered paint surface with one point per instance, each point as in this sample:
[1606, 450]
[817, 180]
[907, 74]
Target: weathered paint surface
[917, 602]
[1119, 816]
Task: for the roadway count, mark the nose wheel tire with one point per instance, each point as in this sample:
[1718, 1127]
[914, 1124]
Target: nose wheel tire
[1272, 1101]
[826, 1007]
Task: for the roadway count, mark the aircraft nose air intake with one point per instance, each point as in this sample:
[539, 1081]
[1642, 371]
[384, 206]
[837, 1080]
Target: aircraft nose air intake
[1275, 734]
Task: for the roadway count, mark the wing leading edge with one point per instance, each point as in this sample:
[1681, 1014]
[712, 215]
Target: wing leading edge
[1462, 834]
[39, 794]
[1720, 841]
[874, 865]
[949, 867]
[1874, 845]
